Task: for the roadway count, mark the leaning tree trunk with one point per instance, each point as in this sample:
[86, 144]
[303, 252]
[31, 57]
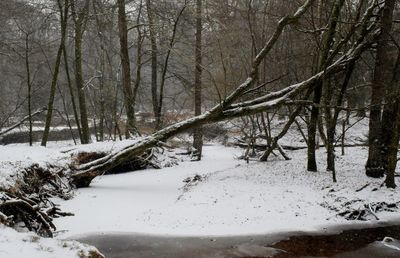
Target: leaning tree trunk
[164, 70]
[84, 173]
[20, 122]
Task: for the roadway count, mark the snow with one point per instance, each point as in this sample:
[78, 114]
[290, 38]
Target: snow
[229, 197]
[14, 244]
[232, 198]
[15, 157]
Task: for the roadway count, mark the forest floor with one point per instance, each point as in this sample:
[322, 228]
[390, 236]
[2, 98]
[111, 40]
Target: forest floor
[220, 196]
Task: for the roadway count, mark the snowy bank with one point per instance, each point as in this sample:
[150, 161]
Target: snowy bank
[14, 244]
[221, 195]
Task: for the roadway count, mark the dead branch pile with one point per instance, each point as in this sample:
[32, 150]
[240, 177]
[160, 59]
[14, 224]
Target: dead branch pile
[29, 203]
[369, 210]
[46, 182]
[365, 211]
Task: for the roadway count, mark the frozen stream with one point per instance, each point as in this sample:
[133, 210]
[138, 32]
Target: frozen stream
[350, 243]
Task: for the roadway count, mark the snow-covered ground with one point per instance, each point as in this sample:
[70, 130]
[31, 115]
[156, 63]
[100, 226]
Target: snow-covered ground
[220, 195]
[15, 157]
[232, 197]
[14, 244]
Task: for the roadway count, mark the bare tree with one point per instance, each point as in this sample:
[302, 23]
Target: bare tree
[63, 21]
[327, 41]
[80, 16]
[129, 101]
[383, 73]
[198, 134]
[154, 53]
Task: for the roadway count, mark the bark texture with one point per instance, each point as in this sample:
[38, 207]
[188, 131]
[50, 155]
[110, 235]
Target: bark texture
[384, 65]
[198, 132]
[129, 101]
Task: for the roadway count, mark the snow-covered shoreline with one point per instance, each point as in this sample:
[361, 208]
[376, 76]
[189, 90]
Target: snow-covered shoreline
[15, 244]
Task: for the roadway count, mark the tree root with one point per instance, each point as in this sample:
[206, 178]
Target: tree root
[137, 162]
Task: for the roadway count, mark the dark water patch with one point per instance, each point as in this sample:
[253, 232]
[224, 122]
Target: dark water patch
[347, 243]
[145, 246]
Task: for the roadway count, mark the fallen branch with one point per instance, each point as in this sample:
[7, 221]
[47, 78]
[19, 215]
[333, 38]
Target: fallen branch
[260, 146]
[37, 112]
[365, 210]
[363, 187]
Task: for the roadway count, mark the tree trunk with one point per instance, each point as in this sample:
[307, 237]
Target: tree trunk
[164, 71]
[154, 65]
[384, 64]
[139, 47]
[327, 41]
[198, 132]
[102, 57]
[29, 84]
[332, 121]
[79, 19]
[391, 121]
[71, 92]
[129, 102]
[63, 19]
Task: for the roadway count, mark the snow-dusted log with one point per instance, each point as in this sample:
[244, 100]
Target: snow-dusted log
[83, 174]
[20, 122]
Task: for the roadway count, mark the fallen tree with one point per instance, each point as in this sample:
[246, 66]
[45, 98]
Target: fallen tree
[228, 109]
